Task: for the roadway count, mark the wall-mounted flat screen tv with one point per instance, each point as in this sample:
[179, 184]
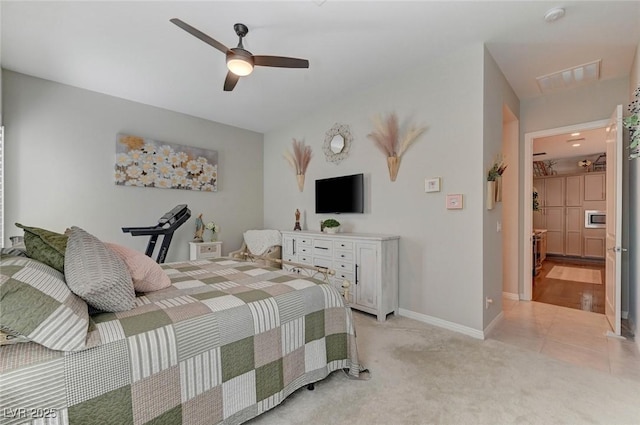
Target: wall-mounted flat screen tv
[343, 194]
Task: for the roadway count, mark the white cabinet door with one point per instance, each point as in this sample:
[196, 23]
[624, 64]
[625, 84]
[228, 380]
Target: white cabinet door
[366, 275]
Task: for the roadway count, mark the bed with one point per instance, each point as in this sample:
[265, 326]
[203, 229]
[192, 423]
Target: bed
[225, 342]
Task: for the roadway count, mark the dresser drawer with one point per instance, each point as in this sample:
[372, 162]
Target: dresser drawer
[345, 256]
[304, 250]
[343, 245]
[342, 275]
[208, 250]
[292, 258]
[305, 259]
[322, 262]
[304, 241]
[341, 266]
[322, 247]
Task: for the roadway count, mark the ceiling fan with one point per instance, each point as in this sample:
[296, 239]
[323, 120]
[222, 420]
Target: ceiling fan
[240, 62]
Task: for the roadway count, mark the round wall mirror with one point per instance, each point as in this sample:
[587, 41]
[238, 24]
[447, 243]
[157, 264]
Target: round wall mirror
[337, 143]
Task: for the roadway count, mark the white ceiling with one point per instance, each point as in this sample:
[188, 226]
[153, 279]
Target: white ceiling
[131, 50]
[561, 146]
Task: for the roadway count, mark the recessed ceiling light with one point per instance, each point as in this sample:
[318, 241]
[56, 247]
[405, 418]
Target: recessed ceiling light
[554, 14]
[575, 145]
[575, 134]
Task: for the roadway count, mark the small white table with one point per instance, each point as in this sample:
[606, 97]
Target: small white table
[204, 250]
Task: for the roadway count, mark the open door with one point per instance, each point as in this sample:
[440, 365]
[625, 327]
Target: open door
[613, 260]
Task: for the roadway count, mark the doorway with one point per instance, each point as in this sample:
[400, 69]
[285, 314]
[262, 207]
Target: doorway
[569, 250]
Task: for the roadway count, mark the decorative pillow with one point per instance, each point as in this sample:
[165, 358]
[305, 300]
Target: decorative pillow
[96, 274]
[46, 246]
[147, 275]
[13, 252]
[37, 305]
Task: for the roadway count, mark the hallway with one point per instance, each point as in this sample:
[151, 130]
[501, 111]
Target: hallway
[574, 294]
[567, 334]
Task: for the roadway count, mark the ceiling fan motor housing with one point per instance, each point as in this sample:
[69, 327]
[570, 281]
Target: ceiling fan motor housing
[241, 30]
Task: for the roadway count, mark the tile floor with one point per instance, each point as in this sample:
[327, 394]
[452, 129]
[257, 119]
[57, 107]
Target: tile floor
[567, 334]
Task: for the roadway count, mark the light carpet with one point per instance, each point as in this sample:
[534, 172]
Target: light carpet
[421, 374]
[576, 274]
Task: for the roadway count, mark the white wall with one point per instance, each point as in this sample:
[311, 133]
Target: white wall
[634, 218]
[60, 152]
[440, 249]
[497, 95]
[568, 107]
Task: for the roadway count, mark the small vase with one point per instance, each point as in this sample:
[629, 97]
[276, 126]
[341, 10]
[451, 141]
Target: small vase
[393, 163]
[300, 178]
[332, 229]
[491, 194]
[498, 189]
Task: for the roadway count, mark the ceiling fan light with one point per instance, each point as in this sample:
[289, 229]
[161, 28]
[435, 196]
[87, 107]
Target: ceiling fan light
[239, 66]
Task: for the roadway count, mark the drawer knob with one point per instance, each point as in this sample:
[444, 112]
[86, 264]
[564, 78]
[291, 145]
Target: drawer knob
[342, 265]
[342, 255]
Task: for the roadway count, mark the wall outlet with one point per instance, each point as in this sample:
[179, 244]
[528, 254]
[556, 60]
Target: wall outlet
[499, 226]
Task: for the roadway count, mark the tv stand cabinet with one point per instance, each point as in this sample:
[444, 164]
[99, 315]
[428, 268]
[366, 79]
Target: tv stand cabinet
[368, 261]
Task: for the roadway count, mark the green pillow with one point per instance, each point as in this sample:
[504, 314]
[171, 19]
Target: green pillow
[37, 305]
[45, 246]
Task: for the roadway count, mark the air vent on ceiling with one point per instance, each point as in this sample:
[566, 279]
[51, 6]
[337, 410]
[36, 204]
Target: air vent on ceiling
[570, 77]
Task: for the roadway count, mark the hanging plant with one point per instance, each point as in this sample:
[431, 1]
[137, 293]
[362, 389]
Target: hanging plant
[299, 160]
[386, 138]
[496, 170]
[632, 122]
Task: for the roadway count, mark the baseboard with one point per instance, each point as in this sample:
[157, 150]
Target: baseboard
[624, 314]
[489, 329]
[511, 296]
[475, 333]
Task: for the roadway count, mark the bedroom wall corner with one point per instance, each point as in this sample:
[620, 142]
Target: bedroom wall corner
[498, 95]
[60, 153]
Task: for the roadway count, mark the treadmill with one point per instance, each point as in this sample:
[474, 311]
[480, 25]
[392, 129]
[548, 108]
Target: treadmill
[167, 224]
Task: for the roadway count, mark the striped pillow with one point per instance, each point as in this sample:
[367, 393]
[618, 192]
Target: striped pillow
[96, 274]
[38, 305]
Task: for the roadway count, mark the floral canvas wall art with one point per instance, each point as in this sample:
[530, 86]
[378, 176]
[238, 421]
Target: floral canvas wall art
[144, 162]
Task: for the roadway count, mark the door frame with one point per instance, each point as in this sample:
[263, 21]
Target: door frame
[527, 198]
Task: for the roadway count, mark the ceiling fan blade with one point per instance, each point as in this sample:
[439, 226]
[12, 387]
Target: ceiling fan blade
[280, 61]
[231, 81]
[199, 34]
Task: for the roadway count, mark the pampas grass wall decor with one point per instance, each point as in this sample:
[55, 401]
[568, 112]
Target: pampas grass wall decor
[386, 138]
[299, 160]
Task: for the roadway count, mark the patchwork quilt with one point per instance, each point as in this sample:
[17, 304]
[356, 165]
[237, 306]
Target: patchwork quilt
[227, 341]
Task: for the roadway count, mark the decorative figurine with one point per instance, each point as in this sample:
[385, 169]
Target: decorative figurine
[197, 236]
[297, 226]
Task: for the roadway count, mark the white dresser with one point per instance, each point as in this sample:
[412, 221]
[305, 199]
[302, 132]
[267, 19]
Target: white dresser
[368, 261]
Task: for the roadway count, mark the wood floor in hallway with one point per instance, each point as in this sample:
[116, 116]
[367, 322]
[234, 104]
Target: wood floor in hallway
[568, 293]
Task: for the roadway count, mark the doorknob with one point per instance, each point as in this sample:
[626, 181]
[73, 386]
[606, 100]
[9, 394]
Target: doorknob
[617, 249]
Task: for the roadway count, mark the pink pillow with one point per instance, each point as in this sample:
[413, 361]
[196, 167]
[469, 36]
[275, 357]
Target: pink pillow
[147, 275]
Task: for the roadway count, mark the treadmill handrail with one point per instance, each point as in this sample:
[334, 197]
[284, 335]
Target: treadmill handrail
[166, 226]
